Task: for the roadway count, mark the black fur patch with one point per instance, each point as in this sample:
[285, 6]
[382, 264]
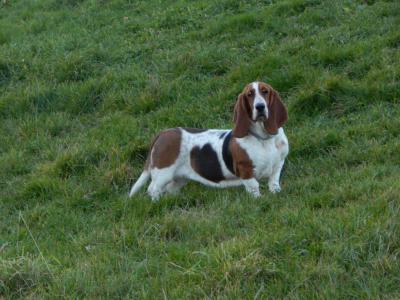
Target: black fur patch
[205, 162]
[222, 135]
[226, 152]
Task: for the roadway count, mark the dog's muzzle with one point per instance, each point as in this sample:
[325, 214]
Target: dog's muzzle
[261, 113]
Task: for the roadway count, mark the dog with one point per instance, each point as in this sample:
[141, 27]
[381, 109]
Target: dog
[256, 148]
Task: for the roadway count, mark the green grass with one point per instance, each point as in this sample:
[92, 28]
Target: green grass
[86, 84]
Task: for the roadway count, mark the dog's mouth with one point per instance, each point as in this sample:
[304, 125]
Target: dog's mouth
[261, 117]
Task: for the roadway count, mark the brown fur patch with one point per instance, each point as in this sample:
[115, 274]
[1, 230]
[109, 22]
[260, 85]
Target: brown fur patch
[264, 89]
[249, 94]
[242, 164]
[278, 114]
[165, 149]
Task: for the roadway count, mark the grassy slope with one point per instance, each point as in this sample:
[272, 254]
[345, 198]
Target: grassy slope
[84, 85]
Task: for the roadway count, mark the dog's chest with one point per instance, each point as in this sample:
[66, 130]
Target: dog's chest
[264, 154]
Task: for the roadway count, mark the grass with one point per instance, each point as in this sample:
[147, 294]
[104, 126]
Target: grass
[85, 84]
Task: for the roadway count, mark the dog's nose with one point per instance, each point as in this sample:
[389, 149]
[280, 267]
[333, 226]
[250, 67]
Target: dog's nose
[260, 107]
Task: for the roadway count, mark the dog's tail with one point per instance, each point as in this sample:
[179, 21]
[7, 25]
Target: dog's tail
[144, 177]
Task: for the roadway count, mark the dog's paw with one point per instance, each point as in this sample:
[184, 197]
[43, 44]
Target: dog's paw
[254, 192]
[274, 188]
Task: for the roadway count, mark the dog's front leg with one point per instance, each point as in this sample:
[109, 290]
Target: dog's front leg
[252, 187]
[244, 170]
[273, 181]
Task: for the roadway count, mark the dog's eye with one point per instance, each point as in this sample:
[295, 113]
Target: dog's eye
[264, 92]
[250, 93]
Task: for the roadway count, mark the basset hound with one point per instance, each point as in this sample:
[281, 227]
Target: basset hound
[256, 148]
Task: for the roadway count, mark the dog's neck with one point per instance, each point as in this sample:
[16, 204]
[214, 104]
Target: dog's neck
[257, 130]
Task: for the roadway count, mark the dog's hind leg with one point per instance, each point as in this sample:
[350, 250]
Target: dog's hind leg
[159, 180]
[173, 187]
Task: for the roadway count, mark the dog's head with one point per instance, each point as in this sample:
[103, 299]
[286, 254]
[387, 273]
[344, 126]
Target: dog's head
[258, 102]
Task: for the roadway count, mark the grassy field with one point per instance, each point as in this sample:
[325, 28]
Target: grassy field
[86, 84]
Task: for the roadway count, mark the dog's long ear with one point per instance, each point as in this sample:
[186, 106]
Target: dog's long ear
[277, 113]
[241, 117]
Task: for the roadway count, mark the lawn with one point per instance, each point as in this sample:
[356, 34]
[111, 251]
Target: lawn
[86, 84]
